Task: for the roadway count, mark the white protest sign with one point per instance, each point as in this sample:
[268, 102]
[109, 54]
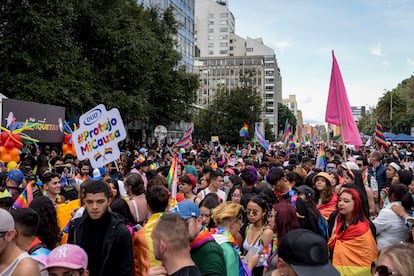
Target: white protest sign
[98, 135]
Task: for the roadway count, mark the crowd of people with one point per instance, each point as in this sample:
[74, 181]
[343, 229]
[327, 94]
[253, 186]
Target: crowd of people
[227, 211]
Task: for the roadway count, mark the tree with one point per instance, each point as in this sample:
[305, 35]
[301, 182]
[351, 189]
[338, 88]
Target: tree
[399, 108]
[285, 113]
[227, 113]
[79, 54]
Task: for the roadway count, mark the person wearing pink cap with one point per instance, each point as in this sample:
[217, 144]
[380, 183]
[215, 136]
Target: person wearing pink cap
[67, 259]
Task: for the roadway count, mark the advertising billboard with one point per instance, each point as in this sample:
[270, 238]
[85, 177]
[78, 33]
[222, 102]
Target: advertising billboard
[50, 119]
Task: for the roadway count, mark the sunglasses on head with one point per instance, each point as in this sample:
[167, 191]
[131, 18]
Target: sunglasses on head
[383, 270]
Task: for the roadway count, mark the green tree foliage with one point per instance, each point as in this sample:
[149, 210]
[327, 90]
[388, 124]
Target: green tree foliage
[227, 113]
[285, 113]
[269, 134]
[402, 110]
[79, 54]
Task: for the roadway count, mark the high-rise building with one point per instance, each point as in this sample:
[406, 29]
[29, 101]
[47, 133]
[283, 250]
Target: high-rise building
[184, 14]
[222, 57]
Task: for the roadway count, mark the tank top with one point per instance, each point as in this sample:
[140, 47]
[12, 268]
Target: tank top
[9, 270]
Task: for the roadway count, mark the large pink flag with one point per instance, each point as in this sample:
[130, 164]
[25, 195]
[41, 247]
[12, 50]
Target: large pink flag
[338, 110]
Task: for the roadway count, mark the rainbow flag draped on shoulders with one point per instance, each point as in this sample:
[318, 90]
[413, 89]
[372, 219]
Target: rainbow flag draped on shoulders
[354, 249]
[187, 139]
[25, 198]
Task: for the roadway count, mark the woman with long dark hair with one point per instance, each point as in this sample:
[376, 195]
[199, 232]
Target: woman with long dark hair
[258, 235]
[48, 230]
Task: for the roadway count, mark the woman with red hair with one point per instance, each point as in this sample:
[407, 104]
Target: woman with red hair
[352, 245]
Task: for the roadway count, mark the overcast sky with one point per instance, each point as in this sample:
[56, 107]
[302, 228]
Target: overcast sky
[373, 42]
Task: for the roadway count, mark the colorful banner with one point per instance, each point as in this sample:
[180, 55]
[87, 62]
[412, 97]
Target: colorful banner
[48, 119]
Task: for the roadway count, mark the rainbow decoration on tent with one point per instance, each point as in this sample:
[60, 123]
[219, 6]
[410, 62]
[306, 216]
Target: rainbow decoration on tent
[244, 131]
[380, 136]
[24, 199]
[187, 139]
[321, 159]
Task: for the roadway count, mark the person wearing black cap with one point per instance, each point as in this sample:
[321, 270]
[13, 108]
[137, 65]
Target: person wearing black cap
[302, 252]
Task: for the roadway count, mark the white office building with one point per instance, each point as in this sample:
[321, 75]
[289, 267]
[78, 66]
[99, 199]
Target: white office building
[222, 57]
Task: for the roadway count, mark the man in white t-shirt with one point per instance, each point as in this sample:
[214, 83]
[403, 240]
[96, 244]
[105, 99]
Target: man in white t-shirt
[215, 186]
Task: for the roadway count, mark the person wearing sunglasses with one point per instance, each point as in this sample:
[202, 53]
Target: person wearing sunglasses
[395, 260]
[258, 234]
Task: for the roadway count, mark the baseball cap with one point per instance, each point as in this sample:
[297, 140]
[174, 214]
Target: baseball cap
[186, 209]
[229, 171]
[98, 173]
[306, 190]
[306, 252]
[7, 221]
[16, 175]
[67, 256]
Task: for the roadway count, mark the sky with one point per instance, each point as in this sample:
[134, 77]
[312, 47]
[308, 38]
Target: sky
[373, 42]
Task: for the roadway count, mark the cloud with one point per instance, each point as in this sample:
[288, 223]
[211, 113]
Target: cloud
[385, 62]
[376, 50]
[283, 45]
[410, 61]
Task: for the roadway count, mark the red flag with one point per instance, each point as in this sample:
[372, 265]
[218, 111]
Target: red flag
[338, 110]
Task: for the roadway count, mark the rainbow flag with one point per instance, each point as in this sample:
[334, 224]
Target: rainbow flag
[186, 140]
[287, 133]
[260, 137]
[172, 177]
[244, 131]
[24, 199]
[380, 136]
[321, 159]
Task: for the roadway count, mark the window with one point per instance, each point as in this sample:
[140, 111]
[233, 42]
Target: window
[211, 15]
[223, 52]
[249, 50]
[224, 30]
[223, 15]
[223, 37]
[211, 30]
[223, 44]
